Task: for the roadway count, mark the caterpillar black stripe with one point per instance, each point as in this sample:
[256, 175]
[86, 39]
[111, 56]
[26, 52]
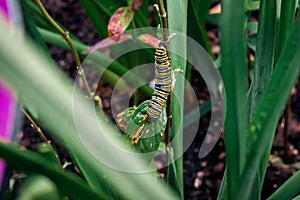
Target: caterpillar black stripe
[163, 82]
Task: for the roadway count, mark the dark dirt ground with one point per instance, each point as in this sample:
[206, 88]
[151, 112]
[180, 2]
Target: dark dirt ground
[202, 177]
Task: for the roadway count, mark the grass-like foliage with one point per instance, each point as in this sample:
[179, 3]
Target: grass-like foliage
[254, 104]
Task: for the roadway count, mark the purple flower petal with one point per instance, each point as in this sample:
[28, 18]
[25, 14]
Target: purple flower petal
[107, 42]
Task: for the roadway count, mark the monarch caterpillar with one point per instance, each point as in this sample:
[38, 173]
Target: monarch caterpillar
[163, 82]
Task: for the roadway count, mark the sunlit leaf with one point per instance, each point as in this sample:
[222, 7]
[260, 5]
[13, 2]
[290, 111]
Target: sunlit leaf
[149, 39]
[38, 187]
[119, 21]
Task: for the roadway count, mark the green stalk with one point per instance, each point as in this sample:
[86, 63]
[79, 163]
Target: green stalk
[263, 67]
[177, 20]
[41, 135]
[287, 15]
[66, 36]
[265, 50]
[234, 73]
[270, 107]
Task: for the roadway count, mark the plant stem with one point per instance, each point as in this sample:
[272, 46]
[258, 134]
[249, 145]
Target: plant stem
[286, 129]
[165, 39]
[163, 21]
[66, 36]
[40, 133]
[35, 126]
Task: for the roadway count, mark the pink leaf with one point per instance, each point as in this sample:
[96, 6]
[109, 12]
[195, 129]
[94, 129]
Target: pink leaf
[119, 21]
[135, 4]
[149, 39]
[107, 42]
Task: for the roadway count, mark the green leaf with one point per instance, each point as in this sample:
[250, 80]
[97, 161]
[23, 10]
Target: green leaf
[177, 20]
[31, 30]
[30, 162]
[93, 12]
[172, 172]
[289, 188]
[47, 151]
[234, 74]
[263, 67]
[51, 93]
[264, 121]
[38, 187]
[108, 7]
[252, 5]
[287, 16]
[265, 50]
[198, 11]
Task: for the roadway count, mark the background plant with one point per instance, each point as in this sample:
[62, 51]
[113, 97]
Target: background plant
[253, 108]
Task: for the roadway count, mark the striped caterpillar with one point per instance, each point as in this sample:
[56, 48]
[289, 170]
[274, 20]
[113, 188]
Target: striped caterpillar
[145, 123]
[163, 82]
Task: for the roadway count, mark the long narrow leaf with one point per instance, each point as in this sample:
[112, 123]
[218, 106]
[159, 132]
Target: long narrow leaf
[265, 50]
[234, 74]
[31, 29]
[177, 19]
[263, 123]
[287, 15]
[200, 10]
[30, 162]
[263, 67]
[93, 12]
[51, 94]
[289, 189]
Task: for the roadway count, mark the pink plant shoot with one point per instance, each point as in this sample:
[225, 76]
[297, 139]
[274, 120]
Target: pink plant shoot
[121, 18]
[149, 39]
[107, 42]
[119, 21]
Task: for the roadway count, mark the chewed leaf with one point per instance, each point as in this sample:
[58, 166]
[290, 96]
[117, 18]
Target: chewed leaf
[123, 118]
[107, 42]
[135, 4]
[149, 39]
[119, 21]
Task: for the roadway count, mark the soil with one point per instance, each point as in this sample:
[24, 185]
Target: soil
[202, 177]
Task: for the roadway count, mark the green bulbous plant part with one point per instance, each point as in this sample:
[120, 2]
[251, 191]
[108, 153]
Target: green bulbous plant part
[145, 135]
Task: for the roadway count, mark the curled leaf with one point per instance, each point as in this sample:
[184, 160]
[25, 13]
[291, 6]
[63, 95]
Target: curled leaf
[149, 39]
[119, 21]
[107, 42]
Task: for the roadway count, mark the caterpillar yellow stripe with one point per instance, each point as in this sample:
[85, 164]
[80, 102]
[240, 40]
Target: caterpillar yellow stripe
[163, 82]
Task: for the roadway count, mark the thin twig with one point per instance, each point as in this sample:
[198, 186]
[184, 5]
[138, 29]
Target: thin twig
[286, 129]
[163, 20]
[66, 36]
[40, 133]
